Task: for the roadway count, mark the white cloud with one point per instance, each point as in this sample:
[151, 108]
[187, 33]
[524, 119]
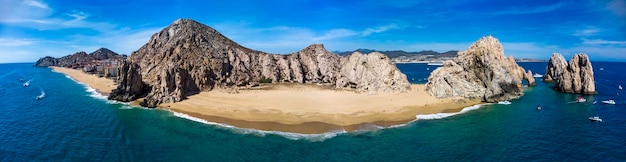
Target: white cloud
[530, 10]
[603, 42]
[36, 3]
[335, 33]
[14, 42]
[618, 7]
[589, 31]
[379, 29]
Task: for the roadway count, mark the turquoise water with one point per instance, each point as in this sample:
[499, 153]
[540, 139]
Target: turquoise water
[70, 123]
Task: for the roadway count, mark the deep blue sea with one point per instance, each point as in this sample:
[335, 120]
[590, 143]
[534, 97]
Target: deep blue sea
[71, 123]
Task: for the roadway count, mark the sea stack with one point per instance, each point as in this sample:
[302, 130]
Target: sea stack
[574, 77]
[188, 57]
[480, 72]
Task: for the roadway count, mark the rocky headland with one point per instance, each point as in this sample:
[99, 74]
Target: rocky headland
[78, 58]
[188, 57]
[573, 77]
[480, 72]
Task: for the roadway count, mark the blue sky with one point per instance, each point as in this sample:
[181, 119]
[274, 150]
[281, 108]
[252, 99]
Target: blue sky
[30, 29]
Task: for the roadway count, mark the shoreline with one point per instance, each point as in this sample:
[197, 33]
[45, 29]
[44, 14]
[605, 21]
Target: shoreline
[102, 85]
[298, 108]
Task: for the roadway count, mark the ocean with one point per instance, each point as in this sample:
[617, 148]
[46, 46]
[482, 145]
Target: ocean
[73, 123]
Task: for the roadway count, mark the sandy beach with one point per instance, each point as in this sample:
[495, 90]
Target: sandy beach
[300, 108]
[312, 108]
[101, 84]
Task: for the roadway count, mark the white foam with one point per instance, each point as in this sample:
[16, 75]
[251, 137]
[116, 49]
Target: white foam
[92, 92]
[261, 133]
[504, 102]
[444, 115]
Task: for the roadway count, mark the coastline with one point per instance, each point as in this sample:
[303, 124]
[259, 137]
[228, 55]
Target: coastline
[298, 108]
[313, 109]
[102, 85]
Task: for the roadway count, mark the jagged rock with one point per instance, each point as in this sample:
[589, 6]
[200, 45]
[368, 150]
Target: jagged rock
[188, 57]
[573, 77]
[78, 58]
[529, 77]
[480, 72]
[130, 86]
[373, 72]
[556, 68]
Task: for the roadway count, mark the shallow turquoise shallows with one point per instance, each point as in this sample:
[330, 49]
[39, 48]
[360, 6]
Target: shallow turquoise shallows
[71, 123]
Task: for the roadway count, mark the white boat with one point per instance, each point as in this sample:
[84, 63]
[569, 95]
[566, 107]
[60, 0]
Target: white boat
[435, 63]
[537, 75]
[619, 87]
[26, 84]
[581, 99]
[538, 107]
[595, 119]
[504, 102]
[610, 102]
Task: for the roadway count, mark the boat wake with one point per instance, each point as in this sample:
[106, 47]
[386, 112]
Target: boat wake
[43, 94]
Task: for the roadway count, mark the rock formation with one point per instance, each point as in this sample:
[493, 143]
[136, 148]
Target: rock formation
[78, 58]
[188, 57]
[130, 85]
[529, 77]
[373, 72]
[480, 72]
[573, 77]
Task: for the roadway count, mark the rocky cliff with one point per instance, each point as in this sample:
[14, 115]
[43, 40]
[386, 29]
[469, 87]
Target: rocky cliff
[480, 72]
[78, 58]
[188, 57]
[130, 85]
[573, 77]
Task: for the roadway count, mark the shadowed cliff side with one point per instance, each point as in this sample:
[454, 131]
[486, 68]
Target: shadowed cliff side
[187, 57]
[480, 72]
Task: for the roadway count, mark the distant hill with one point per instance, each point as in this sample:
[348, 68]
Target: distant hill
[79, 58]
[398, 53]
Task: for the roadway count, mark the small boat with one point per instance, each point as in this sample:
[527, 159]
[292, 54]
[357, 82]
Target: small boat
[601, 68]
[538, 107]
[435, 63]
[38, 97]
[537, 75]
[26, 84]
[610, 102]
[581, 99]
[619, 87]
[21, 80]
[595, 119]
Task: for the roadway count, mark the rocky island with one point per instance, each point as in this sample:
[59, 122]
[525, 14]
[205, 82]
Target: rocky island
[573, 77]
